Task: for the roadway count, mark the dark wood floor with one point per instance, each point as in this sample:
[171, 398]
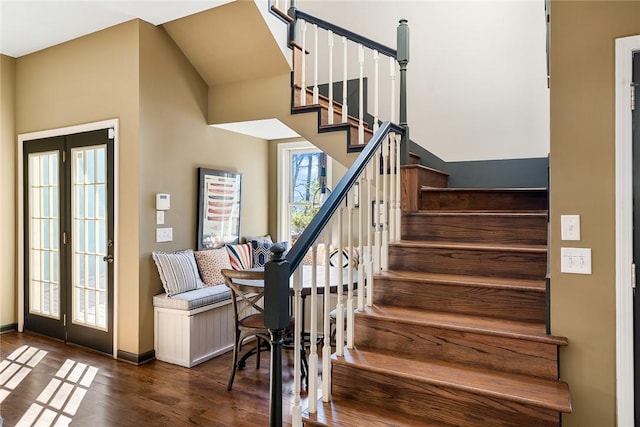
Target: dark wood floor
[153, 394]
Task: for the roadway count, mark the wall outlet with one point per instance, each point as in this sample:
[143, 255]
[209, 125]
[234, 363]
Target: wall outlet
[164, 234]
[575, 260]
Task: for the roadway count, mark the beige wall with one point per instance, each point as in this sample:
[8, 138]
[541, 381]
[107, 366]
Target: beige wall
[8, 303]
[174, 141]
[583, 182]
[86, 80]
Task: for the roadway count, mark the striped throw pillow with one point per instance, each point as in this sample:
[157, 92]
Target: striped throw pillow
[178, 271]
[240, 256]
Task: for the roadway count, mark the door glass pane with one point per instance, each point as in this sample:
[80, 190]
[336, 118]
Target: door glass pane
[89, 279]
[44, 259]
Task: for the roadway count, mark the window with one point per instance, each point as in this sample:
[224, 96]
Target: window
[302, 169]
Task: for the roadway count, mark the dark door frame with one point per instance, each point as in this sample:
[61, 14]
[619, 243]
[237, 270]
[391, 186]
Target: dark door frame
[22, 138]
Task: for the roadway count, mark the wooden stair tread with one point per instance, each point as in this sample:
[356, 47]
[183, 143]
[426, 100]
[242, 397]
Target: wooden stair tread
[472, 246]
[336, 104]
[281, 14]
[465, 280]
[466, 323]
[485, 213]
[548, 394]
[485, 190]
[477, 211]
[351, 413]
[415, 166]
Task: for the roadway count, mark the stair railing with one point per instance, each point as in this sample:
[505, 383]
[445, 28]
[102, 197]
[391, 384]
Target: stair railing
[368, 182]
[335, 56]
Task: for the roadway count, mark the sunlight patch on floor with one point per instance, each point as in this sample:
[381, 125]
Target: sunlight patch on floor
[16, 367]
[61, 398]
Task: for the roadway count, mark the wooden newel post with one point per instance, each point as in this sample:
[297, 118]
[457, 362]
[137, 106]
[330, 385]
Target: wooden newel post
[276, 319]
[403, 60]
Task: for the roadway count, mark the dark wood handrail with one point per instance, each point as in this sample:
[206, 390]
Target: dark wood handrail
[371, 44]
[328, 208]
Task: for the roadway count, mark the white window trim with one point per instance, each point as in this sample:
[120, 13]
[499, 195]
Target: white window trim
[284, 176]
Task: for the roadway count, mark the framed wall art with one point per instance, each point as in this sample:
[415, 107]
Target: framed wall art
[218, 208]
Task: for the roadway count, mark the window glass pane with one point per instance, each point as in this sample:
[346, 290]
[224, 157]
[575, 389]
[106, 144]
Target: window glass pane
[92, 272]
[102, 310]
[44, 164]
[305, 174]
[90, 171]
[101, 201]
[79, 202]
[91, 201]
[101, 165]
[79, 172]
[91, 237]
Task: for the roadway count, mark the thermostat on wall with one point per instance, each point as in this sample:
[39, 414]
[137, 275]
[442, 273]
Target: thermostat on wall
[163, 201]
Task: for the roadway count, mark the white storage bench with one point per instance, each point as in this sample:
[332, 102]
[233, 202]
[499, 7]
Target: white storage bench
[194, 326]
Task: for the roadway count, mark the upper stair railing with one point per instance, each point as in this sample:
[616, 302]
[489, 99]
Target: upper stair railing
[357, 220]
[331, 57]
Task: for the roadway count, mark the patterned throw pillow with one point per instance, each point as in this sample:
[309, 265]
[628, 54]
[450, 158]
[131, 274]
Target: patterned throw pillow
[178, 271]
[210, 262]
[240, 256]
[262, 252]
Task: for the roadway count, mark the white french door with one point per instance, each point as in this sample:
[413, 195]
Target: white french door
[69, 238]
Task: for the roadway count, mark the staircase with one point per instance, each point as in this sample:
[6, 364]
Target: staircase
[456, 335]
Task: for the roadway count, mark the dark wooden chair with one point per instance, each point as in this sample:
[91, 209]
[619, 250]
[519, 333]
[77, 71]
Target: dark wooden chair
[247, 292]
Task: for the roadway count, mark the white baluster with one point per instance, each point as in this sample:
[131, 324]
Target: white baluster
[315, 64]
[361, 219]
[350, 302]
[313, 335]
[303, 69]
[385, 210]
[296, 409]
[340, 290]
[392, 75]
[376, 213]
[345, 108]
[330, 41]
[376, 85]
[326, 349]
[361, 96]
[392, 188]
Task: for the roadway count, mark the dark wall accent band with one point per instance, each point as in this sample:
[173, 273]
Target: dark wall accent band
[508, 173]
[137, 359]
[427, 158]
[11, 327]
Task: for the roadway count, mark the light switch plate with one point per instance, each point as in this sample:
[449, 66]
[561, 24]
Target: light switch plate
[159, 217]
[164, 234]
[575, 260]
[570, 229]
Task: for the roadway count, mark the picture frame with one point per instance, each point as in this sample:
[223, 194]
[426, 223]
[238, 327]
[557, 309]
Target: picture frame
[218, 208]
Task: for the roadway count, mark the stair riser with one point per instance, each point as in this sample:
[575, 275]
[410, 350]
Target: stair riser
[479, 229]
[440, 403]
[469, 200]
[413, 178]
[494, 262]
[494, 352]
[463, 299]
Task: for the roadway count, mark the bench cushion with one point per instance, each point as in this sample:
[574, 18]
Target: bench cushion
[193, 299]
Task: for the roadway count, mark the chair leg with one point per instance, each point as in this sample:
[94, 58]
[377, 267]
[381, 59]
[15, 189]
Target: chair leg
[258, 344]
[236, 350]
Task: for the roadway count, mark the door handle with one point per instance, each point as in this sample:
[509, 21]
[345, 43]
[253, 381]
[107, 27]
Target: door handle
[108, 258]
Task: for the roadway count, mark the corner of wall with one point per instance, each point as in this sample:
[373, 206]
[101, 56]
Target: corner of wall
[8, 229]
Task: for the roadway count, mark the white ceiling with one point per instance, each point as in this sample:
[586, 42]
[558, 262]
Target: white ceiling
[28, 26]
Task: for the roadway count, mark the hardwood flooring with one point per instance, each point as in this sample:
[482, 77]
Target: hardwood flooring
[122, 394]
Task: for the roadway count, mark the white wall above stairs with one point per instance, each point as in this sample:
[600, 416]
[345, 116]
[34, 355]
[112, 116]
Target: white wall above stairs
[477, 72]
